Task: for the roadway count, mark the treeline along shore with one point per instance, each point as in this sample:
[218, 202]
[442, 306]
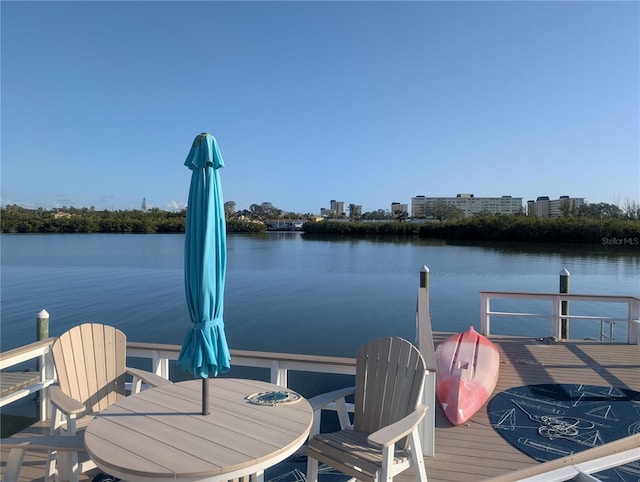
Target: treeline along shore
[620, 232]
[571, 229]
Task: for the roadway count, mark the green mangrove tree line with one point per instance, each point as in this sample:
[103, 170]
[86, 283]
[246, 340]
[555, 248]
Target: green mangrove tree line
[603, 226]
[498, 228]
[15, 219]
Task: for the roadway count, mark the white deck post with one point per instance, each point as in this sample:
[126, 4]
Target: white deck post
[44, 363]
[555, 320]
[485, 320]
[159, 365]
[279, 374]
[48, 373]
[633, 331]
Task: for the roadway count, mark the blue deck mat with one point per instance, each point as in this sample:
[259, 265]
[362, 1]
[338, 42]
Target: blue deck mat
[548, 422]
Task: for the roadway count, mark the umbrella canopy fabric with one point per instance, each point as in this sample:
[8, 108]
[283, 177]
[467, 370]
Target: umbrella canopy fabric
[205, 352]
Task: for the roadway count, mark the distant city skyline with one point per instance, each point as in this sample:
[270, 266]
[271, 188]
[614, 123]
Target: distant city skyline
[366, 102]
[346, 204]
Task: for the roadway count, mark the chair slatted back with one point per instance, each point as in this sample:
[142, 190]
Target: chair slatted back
[390, 374]
[90, 361]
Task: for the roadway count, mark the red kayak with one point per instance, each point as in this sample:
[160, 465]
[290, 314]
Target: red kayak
[466, 373]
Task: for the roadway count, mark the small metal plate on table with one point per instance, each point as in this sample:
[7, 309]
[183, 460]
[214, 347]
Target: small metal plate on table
[280, 397]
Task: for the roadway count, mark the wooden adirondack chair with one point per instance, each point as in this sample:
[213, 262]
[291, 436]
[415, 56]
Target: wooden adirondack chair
[18, 447]
[383, 440]
[90, 363]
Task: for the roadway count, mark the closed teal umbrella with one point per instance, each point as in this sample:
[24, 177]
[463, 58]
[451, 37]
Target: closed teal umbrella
[205, 352]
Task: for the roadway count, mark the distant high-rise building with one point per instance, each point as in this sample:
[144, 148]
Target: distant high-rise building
[337, 208]
[543, 207]
[419, 207]
[539, 207]
[398, 209]
[144, 204]
[468, 204]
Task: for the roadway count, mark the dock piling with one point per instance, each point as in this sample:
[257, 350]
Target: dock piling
[42, 333]
[564, 308]
[42, 325]
[424, 278]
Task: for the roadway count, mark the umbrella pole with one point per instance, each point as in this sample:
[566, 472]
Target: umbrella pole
[205, 396]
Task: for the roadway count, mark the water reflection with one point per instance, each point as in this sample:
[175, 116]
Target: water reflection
[287, 291]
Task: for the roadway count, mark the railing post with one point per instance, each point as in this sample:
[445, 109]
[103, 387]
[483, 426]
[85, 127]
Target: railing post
[278, 374]
[49, 373]
[633, 330]
[485, 320]
[555, 316]
[424, 285]
[159, 365]
[564, 308]
[424, 338]
[42, 333]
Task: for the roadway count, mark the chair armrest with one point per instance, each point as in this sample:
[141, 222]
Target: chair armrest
[392, 433]
[61, 443]
[64, 403]
[325, 399]
[320, 401]
[151, 379]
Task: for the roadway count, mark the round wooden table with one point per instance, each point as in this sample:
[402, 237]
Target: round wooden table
[161, 435]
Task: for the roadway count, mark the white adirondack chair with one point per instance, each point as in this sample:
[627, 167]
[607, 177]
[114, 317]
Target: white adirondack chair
[90, 363]
[383, 440]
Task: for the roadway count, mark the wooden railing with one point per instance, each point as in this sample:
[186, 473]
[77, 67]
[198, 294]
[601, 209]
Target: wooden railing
[278, 364]
[581, 465]
[557, 316]
[160, 355]
[39, 351]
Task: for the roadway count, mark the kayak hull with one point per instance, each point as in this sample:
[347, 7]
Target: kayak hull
[467, 366]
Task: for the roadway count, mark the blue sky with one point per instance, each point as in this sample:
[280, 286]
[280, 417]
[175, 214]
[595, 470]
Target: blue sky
[363, 102]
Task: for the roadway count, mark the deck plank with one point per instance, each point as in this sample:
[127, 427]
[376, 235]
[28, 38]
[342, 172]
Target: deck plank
[474, 451]
[13, 381]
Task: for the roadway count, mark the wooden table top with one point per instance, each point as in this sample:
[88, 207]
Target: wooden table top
[160, 434]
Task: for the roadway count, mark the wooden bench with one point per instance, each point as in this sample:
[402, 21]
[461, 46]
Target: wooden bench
[19, 445]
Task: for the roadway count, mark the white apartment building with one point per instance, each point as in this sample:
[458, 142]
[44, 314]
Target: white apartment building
[470, 205]
[337, 207]
[544, 207]
[398, 209]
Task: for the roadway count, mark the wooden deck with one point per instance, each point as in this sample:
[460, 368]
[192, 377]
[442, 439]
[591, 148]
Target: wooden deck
[475, 451]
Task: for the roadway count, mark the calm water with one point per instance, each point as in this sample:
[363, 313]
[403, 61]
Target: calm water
[287, 291]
